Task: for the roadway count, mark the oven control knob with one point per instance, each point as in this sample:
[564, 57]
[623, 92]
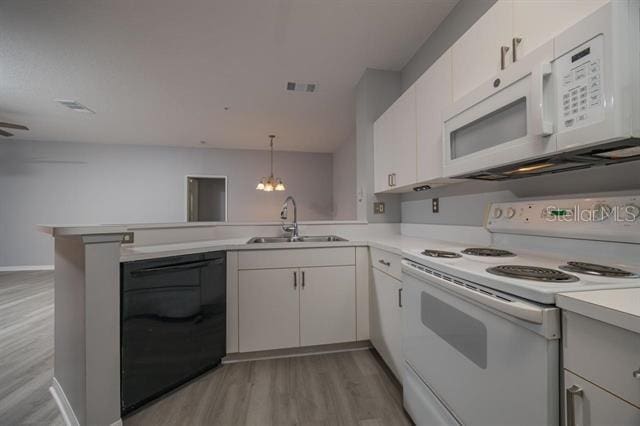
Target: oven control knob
[631, 212]
[511, 212]
[497, 213]
[601, 212]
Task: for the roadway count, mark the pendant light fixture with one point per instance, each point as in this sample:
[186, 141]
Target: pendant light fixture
[270, 184]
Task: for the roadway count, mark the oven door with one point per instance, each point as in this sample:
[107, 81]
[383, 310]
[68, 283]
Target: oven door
[506, 120]
[489, 368]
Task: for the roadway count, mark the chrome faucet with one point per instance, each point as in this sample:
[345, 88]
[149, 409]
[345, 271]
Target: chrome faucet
[293, 227]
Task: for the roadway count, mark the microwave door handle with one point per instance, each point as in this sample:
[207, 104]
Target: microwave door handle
[539, 126]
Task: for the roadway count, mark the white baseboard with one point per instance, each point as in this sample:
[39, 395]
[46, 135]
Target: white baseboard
[68, 416]
[26, 268]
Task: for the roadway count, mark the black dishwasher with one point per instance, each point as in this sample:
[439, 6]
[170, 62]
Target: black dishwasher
[172, 323]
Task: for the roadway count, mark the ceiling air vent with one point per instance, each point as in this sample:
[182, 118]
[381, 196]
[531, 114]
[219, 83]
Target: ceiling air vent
[75, 105]
[292, 86]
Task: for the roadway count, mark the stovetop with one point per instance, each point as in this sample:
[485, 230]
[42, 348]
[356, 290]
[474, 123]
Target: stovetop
[527, 274]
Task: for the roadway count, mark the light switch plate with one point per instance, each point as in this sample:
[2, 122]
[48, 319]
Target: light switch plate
[378, 207]
[435, 205]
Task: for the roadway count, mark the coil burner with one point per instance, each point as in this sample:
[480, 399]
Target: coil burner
[441, 253]
[599, 270]
[534, 273]
[487, 252]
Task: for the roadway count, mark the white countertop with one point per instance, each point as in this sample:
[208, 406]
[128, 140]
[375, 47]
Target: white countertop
[394, 244]
[619, 307]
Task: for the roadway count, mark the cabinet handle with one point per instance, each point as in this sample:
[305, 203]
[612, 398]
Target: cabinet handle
[636, 374]
[393, 179]
[302, 279]
[400, 297]
[515, 42]
[384, 263]
[295, 280]
[571, 393]
[503, 56]
[389, 180]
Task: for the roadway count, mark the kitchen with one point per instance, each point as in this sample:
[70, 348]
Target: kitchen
[440, 229]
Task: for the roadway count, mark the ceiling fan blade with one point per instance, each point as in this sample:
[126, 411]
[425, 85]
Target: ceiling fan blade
[13, 126]
[3, 133]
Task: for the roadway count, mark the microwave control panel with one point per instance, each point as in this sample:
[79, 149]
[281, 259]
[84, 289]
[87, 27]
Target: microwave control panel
[579, 79]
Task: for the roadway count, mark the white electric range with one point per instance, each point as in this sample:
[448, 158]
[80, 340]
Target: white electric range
[481, 334]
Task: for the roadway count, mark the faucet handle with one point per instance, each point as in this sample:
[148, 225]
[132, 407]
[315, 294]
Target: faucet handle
[283, 212]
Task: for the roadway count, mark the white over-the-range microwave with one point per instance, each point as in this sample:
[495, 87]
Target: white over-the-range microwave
[572, 103]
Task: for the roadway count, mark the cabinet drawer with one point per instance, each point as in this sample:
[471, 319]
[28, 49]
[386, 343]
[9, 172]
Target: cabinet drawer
[386, 262]
[592, 406]
[296, 258]
[603, 354]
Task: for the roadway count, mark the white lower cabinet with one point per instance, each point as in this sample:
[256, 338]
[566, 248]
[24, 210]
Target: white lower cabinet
[601, 372]
[269, 309]
[386, 319]
[288, 307]
[327, 301]
[589, 405]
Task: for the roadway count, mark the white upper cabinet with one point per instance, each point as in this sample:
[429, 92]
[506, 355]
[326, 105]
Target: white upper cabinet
[403, 151]
[382, 137]
[408, 136]
[433, 94]
[394, 139]
[517, 25]
[536, 22]
[476, 55]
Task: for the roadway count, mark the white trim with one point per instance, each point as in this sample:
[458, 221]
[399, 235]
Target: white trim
[68, 416]
[26, 268]
[117, 423]
[186, 195]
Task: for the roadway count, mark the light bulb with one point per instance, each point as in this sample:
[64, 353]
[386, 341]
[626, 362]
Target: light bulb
[260, 186]
[280, 186]
[268, 187]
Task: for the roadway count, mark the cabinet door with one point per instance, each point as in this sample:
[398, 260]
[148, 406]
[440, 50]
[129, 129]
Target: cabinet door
[382, 140]
[403, 141]
[537, 22]
[476, 55]
[327, 305]
[269, 308]
[433, 94]
[386, 319]
[593, 406]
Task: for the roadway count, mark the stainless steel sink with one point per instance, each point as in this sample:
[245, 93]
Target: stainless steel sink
[311, 239]
[321, 239]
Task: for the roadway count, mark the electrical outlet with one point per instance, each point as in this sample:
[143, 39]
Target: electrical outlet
[378, 208]
[127, 238]
[435, 205]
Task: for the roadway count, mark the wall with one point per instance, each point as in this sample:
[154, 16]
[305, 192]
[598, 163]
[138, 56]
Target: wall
[344, 181]
[459, 20]
[375, 92]
[52, 182]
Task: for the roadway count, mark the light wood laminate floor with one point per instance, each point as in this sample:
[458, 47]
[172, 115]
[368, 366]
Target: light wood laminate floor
[348, 388]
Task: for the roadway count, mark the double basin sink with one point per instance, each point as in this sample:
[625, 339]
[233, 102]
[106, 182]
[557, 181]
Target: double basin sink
[313, 239]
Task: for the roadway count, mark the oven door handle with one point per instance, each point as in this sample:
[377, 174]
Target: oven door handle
[525, 311]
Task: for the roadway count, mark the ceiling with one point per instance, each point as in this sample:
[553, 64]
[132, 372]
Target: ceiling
[162, 72]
